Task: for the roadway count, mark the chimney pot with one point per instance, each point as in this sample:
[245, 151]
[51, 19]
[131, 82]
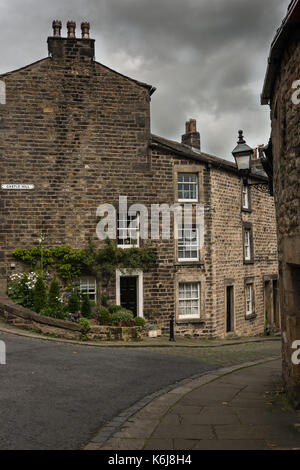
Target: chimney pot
[56, 25]
[85, 30]
[71, 26]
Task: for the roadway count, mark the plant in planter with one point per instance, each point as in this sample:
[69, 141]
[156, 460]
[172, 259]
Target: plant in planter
[151, 330]
[122, 317]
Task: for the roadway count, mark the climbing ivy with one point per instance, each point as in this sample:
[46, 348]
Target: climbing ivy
[100, 262]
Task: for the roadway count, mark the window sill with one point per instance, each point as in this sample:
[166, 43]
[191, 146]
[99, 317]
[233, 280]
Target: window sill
[250, 316]
[180, 321]
[244, 209]
[189, 263]
[248, 261]
[187, 200]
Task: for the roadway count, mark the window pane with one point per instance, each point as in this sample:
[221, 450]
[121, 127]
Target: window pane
[189, 300]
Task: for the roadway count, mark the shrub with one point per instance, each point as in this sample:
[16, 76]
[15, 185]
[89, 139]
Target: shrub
[85, 324]
[39, 295]
[86, 308]
[139, 321]
[115, 308]
[74, 302]
[104, 316]
[122, 317]
[54, 295]
[20, 289]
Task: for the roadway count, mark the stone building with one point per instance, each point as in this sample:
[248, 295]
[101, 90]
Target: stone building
[282, 92]
[78, 135]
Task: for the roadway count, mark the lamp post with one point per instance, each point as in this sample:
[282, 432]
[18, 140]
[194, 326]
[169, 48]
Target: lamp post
[243, 157]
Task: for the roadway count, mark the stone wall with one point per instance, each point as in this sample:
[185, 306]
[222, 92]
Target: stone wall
[285, 117]
[23, 317]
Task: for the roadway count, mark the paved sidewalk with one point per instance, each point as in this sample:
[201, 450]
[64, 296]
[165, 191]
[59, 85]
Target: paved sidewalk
[231, 408]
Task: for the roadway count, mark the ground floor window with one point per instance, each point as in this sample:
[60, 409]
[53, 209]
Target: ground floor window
[87, 286]
[189, 300]
[249, 299]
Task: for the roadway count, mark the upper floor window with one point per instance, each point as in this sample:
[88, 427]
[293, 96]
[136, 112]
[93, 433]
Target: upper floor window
[128, 230]
[248, 242]
[249, 299]
[87, 286]
[189, 300]
[188, 243]
[245, 197]
[2, 92]
[188, 187]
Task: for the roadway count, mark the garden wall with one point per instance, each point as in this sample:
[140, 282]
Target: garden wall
[23, 317]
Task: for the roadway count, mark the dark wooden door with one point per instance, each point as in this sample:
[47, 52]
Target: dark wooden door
[128, 289]
[229, 309]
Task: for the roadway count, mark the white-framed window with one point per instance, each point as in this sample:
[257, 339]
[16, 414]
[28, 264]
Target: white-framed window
[2, 92]
[189, 300]
[127, 230]
[247, 244]
[249, 299]
[245, 197]
[87, 286]
[188, 187]
[188, 243]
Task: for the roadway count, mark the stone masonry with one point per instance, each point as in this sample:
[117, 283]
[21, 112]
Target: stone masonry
[80, 133]
[281, 92]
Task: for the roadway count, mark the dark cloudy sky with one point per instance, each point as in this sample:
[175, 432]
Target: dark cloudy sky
[207, 58]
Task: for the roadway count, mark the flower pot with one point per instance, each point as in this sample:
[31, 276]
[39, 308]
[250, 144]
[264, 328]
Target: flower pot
[152, 333]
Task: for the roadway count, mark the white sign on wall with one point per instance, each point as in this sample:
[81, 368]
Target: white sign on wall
[17, 186]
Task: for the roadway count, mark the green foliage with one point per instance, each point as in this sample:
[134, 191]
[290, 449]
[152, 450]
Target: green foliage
[101, 262]
[20, 289]
[114, 308]
[39, 295]
[103, 316]
[104, 300]
[58, 312]
[54, 294]
[85, 325]
[74, 302]
[86, 308]
[122, 317]
[139, 321]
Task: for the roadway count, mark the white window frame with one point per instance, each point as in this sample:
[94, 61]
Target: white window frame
[247, 244]
[249, 298]
[190, 246]
[90, 282]
[189, 299]
[194, 183]
[245, 197]
[140, 290]
[129, 228]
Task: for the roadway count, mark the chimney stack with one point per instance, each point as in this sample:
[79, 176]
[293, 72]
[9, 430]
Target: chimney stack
[71, 26]
[85, 30]
[70, 48]
[56, 25]
[191, 136]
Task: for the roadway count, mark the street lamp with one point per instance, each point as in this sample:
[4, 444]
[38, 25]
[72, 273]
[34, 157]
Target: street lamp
[243, 157]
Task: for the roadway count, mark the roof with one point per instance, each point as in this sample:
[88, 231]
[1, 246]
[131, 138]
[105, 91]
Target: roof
[195, 154]
[289, 24]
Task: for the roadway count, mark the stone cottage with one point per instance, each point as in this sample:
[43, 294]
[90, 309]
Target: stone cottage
[281, 91]
[76, 134]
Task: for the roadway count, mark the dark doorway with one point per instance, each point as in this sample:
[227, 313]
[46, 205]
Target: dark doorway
[276, 304]
[229, 309]
[128, 290]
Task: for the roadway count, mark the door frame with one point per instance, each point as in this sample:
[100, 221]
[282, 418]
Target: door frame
[139, 288]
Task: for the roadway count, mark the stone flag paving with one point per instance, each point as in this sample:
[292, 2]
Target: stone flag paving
[232, 408]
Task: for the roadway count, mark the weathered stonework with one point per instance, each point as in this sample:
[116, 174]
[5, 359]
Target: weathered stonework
[80, 133]
[279, 88]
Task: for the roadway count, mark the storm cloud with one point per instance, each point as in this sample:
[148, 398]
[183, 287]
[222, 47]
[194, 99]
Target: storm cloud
[207, 58]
